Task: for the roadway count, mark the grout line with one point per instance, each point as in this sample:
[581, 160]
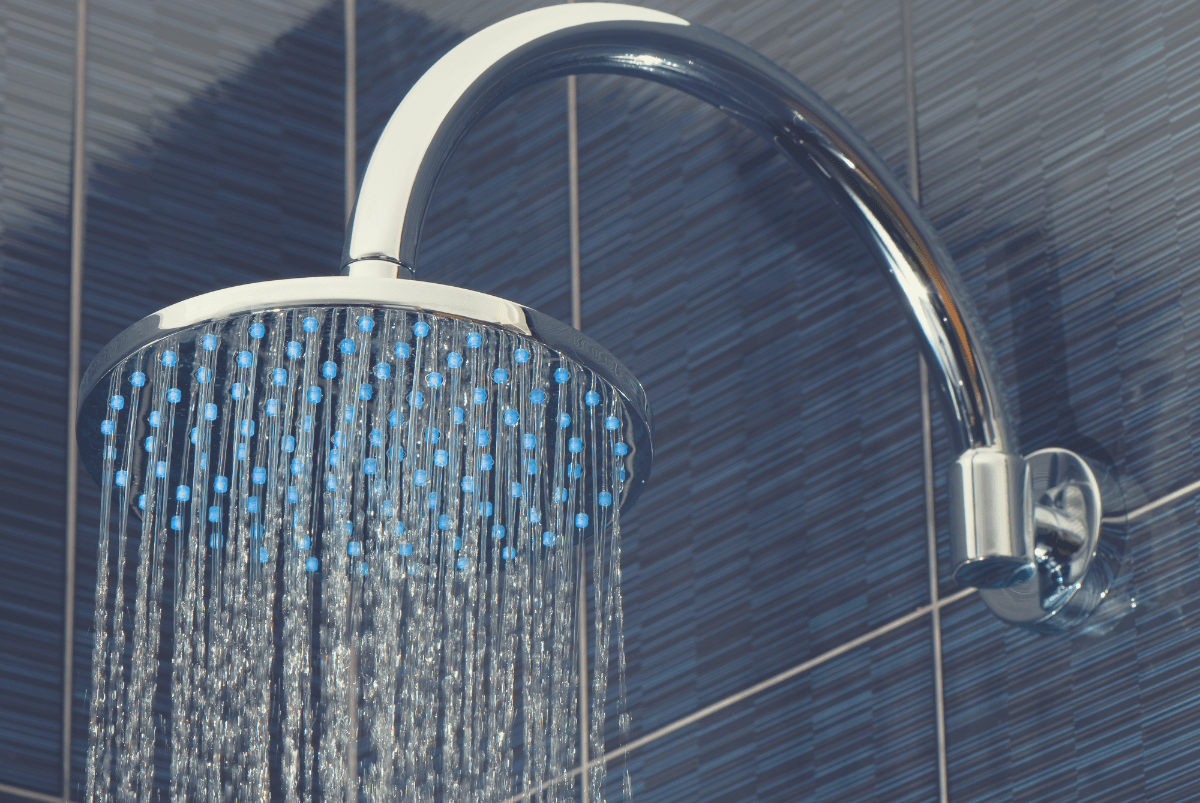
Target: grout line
[17, 791]
[573, 201]
[935, 619]
[75, 336]
[1162, 501]
[577, 322]
[350, 21]
[761, 686]
[939, 698]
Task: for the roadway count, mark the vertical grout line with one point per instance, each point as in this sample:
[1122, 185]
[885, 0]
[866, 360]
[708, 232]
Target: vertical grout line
[577, 322]
[75, 336]
[914, 185]
[350, 24]
[573, 202]
[351, 133]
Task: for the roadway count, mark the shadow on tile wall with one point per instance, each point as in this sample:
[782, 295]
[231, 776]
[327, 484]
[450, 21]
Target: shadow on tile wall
[785, 515]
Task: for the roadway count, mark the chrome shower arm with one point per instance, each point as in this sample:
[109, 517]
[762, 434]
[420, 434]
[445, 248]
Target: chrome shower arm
[991, 536]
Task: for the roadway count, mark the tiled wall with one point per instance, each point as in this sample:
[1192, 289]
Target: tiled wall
[785, 523]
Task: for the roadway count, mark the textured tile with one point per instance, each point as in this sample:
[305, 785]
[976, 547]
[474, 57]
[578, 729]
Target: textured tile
[37, 68]
[215, 145]
[784, 514]
[1096, 716]
[859, 728]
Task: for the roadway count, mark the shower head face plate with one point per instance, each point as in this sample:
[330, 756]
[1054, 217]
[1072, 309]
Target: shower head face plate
[171, 395]
[379, 474]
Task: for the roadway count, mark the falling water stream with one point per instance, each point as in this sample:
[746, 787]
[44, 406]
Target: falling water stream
[338, 561]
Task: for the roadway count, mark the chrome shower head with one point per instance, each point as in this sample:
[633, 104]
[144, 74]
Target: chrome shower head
[406, 383]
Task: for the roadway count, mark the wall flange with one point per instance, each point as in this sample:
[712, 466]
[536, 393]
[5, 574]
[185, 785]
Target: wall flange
[1080, 536]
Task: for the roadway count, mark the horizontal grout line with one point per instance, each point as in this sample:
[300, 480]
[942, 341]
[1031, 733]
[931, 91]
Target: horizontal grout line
[1150, 507]
[17, 791]
[761, 686]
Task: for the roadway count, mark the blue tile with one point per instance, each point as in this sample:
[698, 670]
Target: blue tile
[785, 514]
[860, 727]
[37, 60]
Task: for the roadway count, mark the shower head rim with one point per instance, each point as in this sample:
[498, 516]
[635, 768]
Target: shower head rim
[390, 293]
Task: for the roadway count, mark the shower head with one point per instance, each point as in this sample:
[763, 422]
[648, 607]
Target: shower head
[385, 356]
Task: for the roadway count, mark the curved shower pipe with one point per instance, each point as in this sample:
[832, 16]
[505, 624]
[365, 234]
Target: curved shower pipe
[1038, 557]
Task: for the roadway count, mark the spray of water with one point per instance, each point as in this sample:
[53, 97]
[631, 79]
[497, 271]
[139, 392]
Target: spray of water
[338, 562]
